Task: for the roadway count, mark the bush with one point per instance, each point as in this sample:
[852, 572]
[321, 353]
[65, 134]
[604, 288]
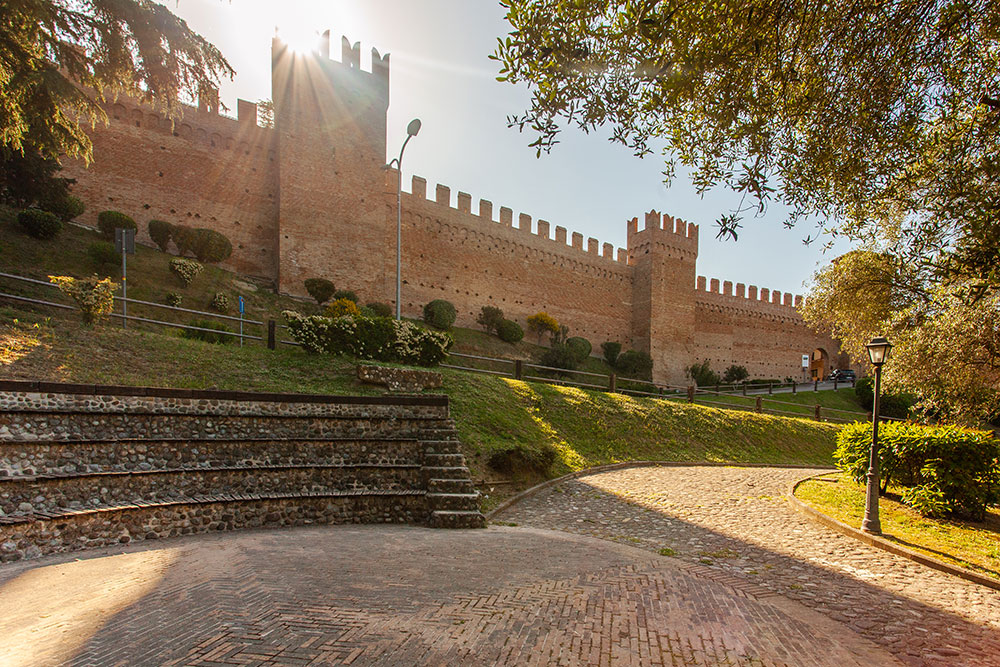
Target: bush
[559, 356]
[510, 331]
[103, 254]
[890, 405]
[580, 348]
[320, 289]
[220, 334]
[379, 309]
[377, 338]
[440, 314]
[343, 308]
[735, 374]
[40, 224]
[635, 364]
[489, 318]
[109, 221]
[94, 296]
[542, 323]
[345, 294]
[173, 299]
[702, 374]
[518, 458]
[220, 302]
[160, 232]
[942, 468]
[66, 207]
[611, 350]
[185, 269]
[183, 238]
[210, 246]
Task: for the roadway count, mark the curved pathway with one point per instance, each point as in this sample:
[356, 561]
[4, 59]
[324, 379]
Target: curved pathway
[736, 526]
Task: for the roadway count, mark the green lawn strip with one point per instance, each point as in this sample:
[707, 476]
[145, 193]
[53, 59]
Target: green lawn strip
[975, 546]
[803, 402]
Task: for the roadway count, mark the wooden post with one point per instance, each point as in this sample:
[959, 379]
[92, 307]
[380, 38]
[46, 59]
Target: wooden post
[612, 383]
[794, 387]
[816, 385]
[744, 388]
[819, 415]
[835, 383]
[271, 337]
[690, 393]
[760, 405]
[518, 369]
[770, 387]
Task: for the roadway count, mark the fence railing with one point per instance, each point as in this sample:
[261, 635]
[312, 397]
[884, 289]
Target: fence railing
[517, 369]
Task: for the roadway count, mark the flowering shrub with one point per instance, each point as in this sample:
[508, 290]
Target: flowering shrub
[185, 269]
[377, 338]
[173, 299]
[342, 308]
[94, 296]
[220, 302]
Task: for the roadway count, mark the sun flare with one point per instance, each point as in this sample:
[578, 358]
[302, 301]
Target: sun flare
[299, 38]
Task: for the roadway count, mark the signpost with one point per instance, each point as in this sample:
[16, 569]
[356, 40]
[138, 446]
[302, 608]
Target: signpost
[125, 244]
[805, 365]
[241, 321]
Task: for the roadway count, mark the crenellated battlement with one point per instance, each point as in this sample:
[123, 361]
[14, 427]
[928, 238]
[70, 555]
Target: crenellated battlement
[742, 292]
[350, 57]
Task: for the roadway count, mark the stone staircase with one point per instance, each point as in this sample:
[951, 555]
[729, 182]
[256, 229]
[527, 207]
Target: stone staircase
[88, 466]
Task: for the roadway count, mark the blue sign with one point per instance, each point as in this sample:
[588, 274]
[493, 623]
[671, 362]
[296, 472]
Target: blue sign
[241, 305]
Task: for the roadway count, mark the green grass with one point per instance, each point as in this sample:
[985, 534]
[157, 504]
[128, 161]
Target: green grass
[975, 546]
[802, 402]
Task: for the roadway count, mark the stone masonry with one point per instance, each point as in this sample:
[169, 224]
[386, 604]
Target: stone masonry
[311, 197]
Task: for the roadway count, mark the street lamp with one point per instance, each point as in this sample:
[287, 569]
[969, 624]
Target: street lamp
[411, 131]
[878, 354]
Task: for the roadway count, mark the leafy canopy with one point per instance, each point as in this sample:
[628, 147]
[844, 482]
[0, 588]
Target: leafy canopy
[59, 59]
[875, 120]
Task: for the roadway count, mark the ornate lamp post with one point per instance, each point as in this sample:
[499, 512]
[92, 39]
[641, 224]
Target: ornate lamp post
[411, 131]
[878, 354]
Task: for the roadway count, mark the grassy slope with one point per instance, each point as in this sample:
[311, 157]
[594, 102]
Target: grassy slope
[972, 545]
[804, 401]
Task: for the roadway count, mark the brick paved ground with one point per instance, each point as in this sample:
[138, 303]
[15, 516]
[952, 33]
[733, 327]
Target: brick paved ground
[405, 596]
[736, 524]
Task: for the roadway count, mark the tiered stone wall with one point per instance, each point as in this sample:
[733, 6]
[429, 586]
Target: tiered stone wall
[84, 466]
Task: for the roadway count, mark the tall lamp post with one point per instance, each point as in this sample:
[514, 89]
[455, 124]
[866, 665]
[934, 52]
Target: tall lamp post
[411, 131]
[878, 354]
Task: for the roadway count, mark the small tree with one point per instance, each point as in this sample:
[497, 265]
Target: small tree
[541, 323]
[320, 289]
[702, 374]
[636, 363]
[611, 351]
[735, 374]
[160, 231]
[94, 296]
[343, 308]
[490, 318]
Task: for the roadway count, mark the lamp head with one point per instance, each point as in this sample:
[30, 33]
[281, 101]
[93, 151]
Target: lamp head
[878, 351]
[413, 127]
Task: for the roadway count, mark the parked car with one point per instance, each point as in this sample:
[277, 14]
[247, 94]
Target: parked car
[846, 375]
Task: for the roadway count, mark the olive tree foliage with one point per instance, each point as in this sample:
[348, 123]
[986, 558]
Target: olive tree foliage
[879, 121]
[59, 59]
[946, 347]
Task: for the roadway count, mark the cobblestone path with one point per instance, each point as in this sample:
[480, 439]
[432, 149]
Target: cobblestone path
[372, 595]
[736, 526]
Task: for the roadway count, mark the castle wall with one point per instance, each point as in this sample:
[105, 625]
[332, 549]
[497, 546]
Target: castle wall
[204, 170]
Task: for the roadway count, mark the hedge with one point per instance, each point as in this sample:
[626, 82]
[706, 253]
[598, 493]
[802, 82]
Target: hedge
[40, 224]
[109, 221]
[510, 331]
[440, 314]
[319, 289]
[943, 469]
[160, 232]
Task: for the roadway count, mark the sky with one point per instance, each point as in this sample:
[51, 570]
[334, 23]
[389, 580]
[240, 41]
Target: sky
[441, 73]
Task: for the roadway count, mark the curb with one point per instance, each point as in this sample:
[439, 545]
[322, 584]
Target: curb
[527, 493]
[884, 544]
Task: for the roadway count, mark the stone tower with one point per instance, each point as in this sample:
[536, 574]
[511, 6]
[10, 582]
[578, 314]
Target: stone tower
[330, 119]
[663, 308]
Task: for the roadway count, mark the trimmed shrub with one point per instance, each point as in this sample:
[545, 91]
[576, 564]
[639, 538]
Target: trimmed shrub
[109, 221]
[183, 238]
[559, 356]
[345, 294]
[210, 246]
[94, 296]
[185, 269]
[173, 299]
[220, 302]
[65, 207]
[379, 309]
[542, 323]
[377, 338]
[440, 314]
[343, 308]
[103, 254]
[510, 331]
[635, 364]
[580, 348]
[611, 350]
[702, 374]
[220, 334]
[518, 459]
[489, 318]
[735, 374]
[160, 232]
[39, 224]
[320, 289]
[944, 469]
[890, 405]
